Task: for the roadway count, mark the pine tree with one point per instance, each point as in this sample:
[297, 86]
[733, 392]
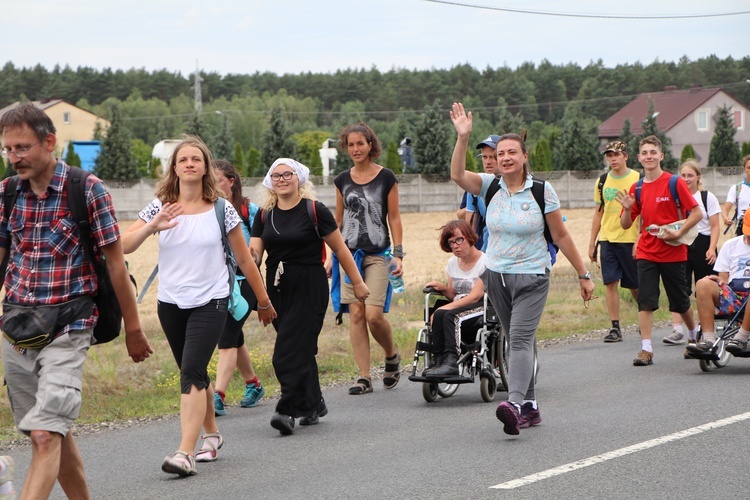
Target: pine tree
[650, 127]
[471, 160]
[688, 153]
[239, 160]
[195, 126]
[432, 144]
[392, 158]
[276, 142]
[71, 158]
[745, 149]
[578, 146]
[254, 168]
[116, 160]
[541, 157]
[724, 151]
[626, 136]
[222, 143]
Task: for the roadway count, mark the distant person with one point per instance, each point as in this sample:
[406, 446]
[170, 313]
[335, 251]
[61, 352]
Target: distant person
[724, 294]
[617, 245]
[48, 269]
[291, 228]
[476, 212]
[656, 259]
[194, 292]
[232, 351]
[738, 199]
[518, 259]
[702, 252]
[368, 214]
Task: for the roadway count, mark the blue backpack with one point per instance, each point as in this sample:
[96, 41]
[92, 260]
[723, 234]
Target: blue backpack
[672, 190]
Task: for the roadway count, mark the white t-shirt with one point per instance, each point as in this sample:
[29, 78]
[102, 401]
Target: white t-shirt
[192, 269]
[744, 198]
[734, 258]
[704, 225]
[463, 281]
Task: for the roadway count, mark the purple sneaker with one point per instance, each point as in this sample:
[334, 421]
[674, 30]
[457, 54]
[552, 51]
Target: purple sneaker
[529, 416]
[509, 415]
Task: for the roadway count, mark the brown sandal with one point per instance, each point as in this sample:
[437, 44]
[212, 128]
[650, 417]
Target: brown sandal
[392, 372]
[363, 385]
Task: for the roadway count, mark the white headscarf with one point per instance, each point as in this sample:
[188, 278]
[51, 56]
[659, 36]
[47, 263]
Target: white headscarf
[303, 173]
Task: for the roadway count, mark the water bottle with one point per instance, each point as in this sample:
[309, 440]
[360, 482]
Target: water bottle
[397, 282]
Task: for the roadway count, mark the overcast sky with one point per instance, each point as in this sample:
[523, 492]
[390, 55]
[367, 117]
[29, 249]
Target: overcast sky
[285, 36]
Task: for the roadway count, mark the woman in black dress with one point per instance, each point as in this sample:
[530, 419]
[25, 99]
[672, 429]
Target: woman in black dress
[292, 227]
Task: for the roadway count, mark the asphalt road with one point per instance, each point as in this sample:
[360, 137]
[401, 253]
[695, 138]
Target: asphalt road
[596, 409]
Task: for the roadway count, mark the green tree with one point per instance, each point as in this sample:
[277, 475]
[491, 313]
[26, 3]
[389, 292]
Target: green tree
[392, 158]
[687, 153]
[627, 136]
[578, 147]
[541, 157]
[471, 160]
[3, 168]
[222, 143]
[254, 168]
[71, 158]
[116, 160]
[724, 152]
[308, 148]
[276, 142]
[142, 153]
[239, 160]
[745, 149]
[98, 134]
[432, 144]
[650, 127]
[195, 126]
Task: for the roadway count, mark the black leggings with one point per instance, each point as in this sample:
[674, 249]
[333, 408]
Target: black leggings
[192, 335]
[696, 264]
[233, 336]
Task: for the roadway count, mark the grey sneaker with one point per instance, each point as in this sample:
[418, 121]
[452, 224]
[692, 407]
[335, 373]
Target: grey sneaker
[676, 338]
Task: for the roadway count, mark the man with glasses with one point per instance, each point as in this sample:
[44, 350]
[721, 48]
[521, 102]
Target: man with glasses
[475, 208]
[47, 266]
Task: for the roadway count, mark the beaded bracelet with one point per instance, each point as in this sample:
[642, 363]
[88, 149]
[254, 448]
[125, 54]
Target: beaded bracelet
[267, 307]
[398, 251]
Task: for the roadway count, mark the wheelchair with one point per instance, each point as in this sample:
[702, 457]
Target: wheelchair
[727, 327]
[484, 356]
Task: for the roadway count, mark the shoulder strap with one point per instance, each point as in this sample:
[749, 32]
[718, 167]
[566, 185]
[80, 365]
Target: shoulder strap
[491, 191]
[704, 198]
[219, 207]
[638, 188]
[537, 191]
[602, 180]
[675, 195]
[9, 201]
[76, 192]
[312, 212]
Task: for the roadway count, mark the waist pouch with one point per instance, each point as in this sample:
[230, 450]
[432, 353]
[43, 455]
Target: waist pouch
[34, 327]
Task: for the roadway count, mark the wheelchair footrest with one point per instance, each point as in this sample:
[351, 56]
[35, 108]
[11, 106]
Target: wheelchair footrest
[743, 354]
[442, 380]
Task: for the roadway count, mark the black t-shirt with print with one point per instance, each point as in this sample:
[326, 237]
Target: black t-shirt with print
[289, 235]
[365, 224]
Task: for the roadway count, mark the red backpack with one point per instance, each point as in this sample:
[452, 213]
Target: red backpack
[312, 212]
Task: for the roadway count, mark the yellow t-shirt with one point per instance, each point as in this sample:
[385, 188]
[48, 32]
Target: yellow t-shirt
[611, 229]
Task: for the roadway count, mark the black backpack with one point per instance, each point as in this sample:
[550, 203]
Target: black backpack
[110, 315]
[537, 191]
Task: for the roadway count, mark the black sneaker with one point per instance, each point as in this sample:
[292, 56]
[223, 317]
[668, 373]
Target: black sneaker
[283, 423]
[700, 347]
[614, 335]
[320, 411]
[736, 346]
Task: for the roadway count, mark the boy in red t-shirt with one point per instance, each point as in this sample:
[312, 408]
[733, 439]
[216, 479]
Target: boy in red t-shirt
[654, 256]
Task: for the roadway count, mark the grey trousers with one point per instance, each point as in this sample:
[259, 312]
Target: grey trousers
[519, 301]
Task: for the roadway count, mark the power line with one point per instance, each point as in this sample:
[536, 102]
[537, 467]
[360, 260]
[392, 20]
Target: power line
[589, 16]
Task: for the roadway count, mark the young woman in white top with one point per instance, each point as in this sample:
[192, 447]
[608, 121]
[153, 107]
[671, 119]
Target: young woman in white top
[702, 253]
[465, 293]
[738, 199]
[194, 288]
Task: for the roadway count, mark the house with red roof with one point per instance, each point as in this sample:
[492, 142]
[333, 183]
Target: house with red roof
[686, 116]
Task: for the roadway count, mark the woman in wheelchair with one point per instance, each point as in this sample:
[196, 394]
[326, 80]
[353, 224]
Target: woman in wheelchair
[464, 292]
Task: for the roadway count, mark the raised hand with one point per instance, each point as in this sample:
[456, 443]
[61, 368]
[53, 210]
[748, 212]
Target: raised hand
[461, 120]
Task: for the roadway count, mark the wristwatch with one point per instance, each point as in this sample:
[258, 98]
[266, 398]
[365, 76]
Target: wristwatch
[586, 276]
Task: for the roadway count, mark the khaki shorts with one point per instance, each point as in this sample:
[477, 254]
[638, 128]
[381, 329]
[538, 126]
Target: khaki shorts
[44, 385]
[376, 278]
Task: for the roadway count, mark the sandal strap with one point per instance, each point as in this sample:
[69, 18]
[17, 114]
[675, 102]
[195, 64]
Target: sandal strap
[393, 365]
[208, 445]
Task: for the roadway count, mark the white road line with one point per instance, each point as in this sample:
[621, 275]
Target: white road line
[533, 478]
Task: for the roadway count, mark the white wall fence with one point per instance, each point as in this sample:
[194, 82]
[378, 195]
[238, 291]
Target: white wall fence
[423, 193]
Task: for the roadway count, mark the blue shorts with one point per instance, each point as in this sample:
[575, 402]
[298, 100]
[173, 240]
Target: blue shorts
[618, 264]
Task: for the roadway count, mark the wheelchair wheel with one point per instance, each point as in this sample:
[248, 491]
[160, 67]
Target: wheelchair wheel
[724, 355]
[487, 388]
[429, 391]
[501, 360]
[446, 390]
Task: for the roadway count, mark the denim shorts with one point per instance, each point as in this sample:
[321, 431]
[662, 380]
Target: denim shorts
[44, 385]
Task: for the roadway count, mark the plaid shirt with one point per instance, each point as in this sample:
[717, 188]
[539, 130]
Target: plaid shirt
[48, 262]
